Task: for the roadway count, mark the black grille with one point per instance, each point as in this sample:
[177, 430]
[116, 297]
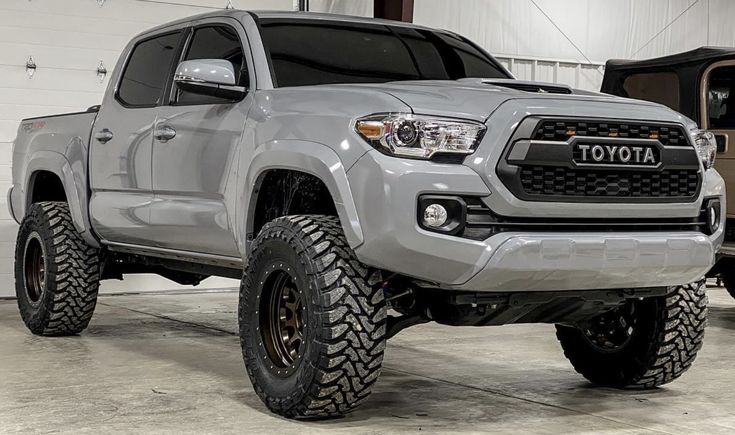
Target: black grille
[483, 223]
[562, 130]
[547, 165]
[549, 180]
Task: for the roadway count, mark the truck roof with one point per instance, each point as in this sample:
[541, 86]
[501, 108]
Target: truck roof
[280, 14]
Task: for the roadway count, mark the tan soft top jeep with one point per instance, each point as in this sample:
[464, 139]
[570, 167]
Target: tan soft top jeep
[701, 85]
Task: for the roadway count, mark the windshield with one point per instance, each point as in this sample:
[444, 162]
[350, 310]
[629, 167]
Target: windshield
[314, 52]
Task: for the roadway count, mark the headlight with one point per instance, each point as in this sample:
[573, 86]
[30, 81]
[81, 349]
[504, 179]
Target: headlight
[420, 136]
[706, 145]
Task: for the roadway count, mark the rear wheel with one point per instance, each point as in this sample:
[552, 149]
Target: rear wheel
[56, 272]
[312, 328]
[643, 343]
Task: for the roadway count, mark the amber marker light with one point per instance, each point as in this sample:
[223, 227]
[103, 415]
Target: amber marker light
[372, 130]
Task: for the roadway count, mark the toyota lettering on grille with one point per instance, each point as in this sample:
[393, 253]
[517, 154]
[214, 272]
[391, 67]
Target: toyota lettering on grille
[616, 154]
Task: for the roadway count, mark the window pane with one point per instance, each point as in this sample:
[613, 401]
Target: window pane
[720, 99]
[217, 42]
[310, 53]
[662, 88]
[147, 70]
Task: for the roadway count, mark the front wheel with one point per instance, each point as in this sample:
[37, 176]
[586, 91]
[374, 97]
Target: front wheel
[312, 328]
[643, 343]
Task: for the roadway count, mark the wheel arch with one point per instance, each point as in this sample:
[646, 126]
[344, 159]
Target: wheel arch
[54, 168]
[314, 159]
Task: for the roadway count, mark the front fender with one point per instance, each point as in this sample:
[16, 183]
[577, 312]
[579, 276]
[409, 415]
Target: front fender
[310, 157]
[58, 164]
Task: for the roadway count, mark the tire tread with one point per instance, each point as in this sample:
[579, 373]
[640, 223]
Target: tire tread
[351, 313]
[677, 338]
[73, 274]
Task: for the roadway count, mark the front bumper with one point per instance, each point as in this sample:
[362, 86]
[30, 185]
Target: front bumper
[543, 261]
[385, 191]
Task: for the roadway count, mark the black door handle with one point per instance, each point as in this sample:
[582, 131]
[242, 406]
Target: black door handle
[103, 136]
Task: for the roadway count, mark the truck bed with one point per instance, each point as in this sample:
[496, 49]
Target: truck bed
[60, 140]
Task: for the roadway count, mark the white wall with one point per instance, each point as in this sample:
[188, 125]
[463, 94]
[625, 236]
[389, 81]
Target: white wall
[582, 31]
[361, 8]
[67, 40]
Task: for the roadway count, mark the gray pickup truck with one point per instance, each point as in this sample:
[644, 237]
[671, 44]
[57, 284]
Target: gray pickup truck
[361, 177]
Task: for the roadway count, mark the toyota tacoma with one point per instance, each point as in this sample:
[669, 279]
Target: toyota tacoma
[362, 176]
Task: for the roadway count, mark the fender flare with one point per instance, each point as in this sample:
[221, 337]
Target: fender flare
[59, 165]
[304, 156]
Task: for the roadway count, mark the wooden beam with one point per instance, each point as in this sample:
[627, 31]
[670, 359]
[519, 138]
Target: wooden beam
[400, 10]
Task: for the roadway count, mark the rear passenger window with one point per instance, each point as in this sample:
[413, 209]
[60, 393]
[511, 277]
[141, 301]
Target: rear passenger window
[215, 42]
[147, 70]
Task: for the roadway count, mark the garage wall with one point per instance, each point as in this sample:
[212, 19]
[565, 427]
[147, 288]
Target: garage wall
[361, 8]
[582, 34]
[67, 40]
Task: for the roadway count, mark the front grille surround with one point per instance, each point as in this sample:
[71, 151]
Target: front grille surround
[550, 172]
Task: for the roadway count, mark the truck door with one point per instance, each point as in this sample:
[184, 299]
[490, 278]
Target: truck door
[718, 116]
[197, 151]
[122, 140]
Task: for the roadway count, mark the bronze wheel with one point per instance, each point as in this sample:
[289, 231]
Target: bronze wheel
[34, 268]
[282, 320]
[312, 327]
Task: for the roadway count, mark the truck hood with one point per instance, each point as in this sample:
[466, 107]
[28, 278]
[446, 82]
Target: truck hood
[477, 99]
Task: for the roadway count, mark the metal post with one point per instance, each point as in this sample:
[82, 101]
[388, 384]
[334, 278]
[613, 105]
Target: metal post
[400, 10]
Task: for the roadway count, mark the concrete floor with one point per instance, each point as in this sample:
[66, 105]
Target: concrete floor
[170, 363]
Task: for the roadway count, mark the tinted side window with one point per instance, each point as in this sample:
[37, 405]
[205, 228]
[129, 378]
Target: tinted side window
[310, 52]
[215, 42]
[147, 70]
[662, 88]
[720, 98]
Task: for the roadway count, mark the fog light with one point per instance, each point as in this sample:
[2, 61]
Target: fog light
[441, 213]
[435, 216]
[713, 210]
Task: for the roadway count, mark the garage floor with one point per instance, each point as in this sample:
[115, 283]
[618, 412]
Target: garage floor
[171, 363]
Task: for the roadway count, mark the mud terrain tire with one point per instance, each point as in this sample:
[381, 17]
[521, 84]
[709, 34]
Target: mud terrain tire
[312, 329]
[665, 335]
[56, 272]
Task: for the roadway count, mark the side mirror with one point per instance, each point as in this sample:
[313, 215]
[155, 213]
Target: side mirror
[212, 77]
